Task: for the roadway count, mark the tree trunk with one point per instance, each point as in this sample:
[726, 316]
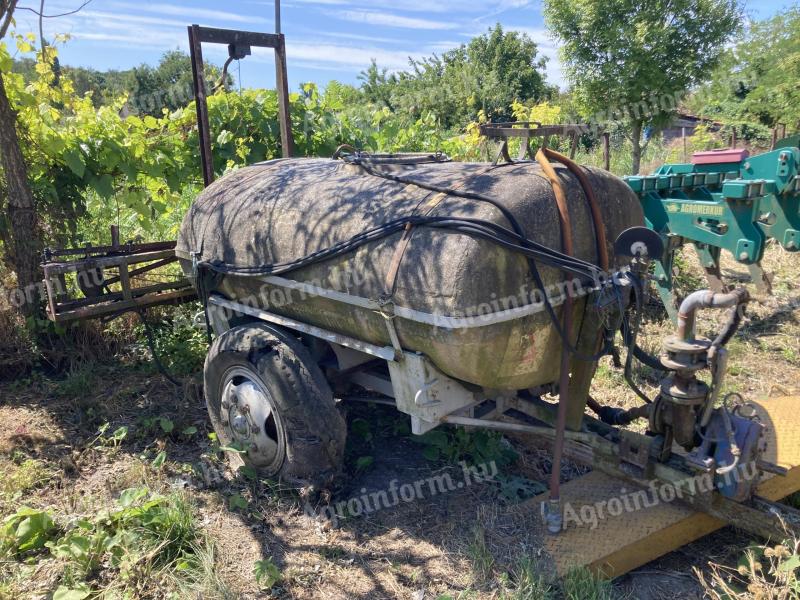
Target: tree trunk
[636, 142]
[25, 245]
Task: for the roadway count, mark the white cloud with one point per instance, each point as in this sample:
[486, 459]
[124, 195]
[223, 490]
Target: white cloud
[136, 40]
[189, 11]
[351, 57]
[426, 6]
[358, 36]
[117, 21]
[374, 17]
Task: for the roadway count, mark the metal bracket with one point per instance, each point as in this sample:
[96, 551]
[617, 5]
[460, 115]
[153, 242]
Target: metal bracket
[425, 393]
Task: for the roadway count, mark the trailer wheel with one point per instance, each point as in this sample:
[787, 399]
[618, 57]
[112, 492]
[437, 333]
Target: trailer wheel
[267, 397]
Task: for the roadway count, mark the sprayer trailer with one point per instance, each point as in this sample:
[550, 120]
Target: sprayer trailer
[467, 294]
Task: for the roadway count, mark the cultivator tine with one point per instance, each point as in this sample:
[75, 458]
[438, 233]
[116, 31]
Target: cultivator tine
[714, 277]
[761, 279]
[710, 258]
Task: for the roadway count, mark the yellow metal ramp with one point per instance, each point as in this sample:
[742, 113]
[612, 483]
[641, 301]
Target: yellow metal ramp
[617, 543]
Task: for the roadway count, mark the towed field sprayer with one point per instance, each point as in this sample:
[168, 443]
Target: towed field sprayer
[474, 295]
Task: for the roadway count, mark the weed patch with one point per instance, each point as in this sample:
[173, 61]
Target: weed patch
[145, 543]
[769, 572]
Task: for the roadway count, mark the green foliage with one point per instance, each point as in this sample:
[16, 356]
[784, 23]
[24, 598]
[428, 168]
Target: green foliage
[513, 488]
[76, 383]
[487, 74]
[757, 79]
[141, 535]
[619, 53]
[238, 502]
[582, 584]
[266, 573]
[480, 556]
[150, 90]
[26, 530]
[112, 440]
[19, 479]
[631, 62]
[476, 447]
[180, 345]
[78, 592]
[530, 582]
[167, 86]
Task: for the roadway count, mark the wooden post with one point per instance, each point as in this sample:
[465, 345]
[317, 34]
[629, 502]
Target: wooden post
[733, 138]
[606, 151]
[685, 149]
[774, 137]
[574, 148]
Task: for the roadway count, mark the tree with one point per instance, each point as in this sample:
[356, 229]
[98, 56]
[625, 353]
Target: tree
[24, 235]
[488, 74]
[632, 61]
[377, 85]
[757, 80]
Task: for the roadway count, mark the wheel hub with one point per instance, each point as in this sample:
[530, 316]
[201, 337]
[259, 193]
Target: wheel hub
[250, 419]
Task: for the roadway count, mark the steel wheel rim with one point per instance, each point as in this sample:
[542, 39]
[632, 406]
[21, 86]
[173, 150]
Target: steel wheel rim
[251, 420]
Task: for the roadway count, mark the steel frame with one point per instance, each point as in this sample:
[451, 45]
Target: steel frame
[733, 206]
[525, 130]
[237, 40]
[128, 261]
[415, 387]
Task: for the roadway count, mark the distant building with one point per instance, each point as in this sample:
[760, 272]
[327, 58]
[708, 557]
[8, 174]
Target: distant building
[685, 122]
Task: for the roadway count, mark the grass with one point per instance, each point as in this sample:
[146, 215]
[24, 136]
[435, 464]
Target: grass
[480, 557]
[20, 479]
[143, 544]
[76, 383]
[582, 584]
[768, 572]
[529, 582]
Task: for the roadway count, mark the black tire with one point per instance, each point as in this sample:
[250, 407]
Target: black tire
[254, 363]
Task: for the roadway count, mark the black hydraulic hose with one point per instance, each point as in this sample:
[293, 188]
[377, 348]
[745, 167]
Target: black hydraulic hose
[532, 250]
[473, 227]
[537, 278]
[640, 354]
[634, 332]
[731, 325]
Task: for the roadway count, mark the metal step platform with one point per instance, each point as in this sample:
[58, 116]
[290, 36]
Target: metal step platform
[617, 543]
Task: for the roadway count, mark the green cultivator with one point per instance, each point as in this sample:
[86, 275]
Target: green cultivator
[723, 200]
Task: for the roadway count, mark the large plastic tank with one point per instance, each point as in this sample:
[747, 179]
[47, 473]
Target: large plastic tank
[282, 210]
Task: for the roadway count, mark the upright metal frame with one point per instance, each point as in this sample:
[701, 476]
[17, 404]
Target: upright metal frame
[209, 35]
[525, 130]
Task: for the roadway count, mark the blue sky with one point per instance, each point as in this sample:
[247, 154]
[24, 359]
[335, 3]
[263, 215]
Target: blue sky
[326, 39]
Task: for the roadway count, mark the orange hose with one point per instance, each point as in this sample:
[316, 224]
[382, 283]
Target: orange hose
[594, 206]
[563, 386]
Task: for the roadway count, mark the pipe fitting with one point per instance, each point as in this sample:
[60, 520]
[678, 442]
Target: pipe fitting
[705, 299]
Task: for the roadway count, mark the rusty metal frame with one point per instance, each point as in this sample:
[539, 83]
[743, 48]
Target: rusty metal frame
[126, 261]
[525, 130]
[210, 35]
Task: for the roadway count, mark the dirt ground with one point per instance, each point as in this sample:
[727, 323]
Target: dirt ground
[461, 544]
